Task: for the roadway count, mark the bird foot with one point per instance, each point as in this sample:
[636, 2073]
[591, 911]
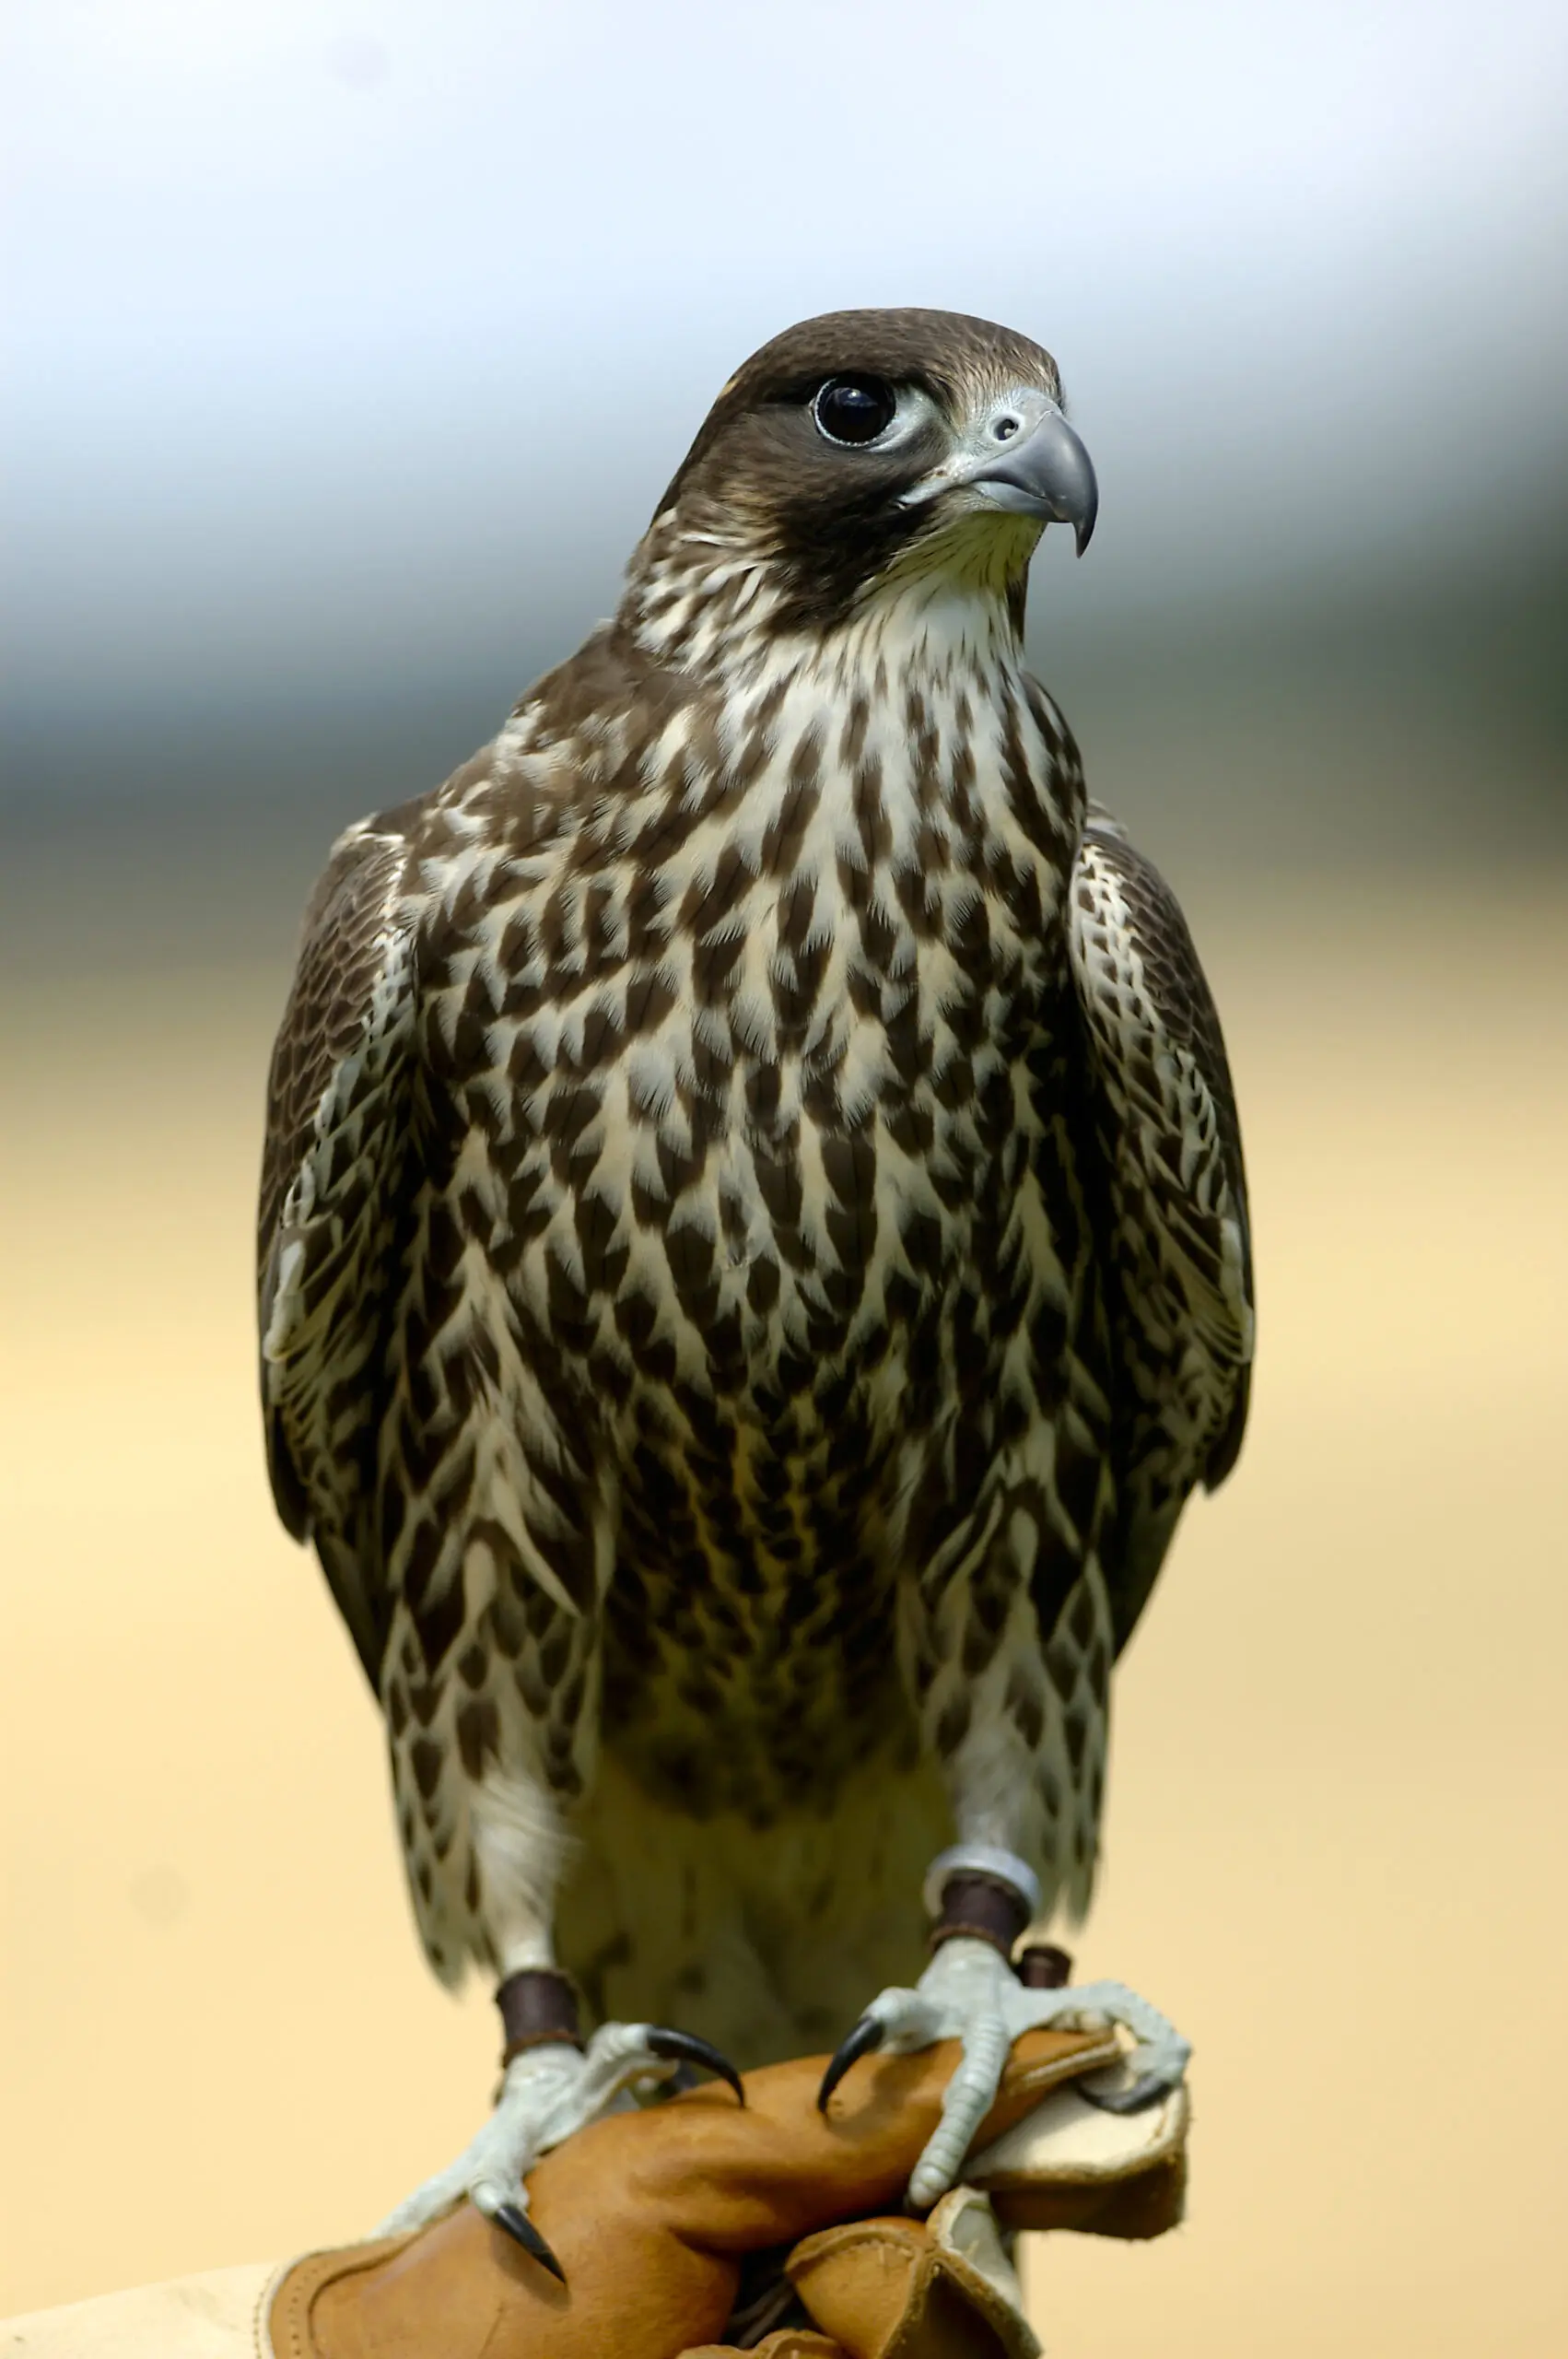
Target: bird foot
[547, 2094]
[969, 1992]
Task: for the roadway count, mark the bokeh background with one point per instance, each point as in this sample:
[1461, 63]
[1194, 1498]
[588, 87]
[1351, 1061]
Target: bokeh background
[350, 343]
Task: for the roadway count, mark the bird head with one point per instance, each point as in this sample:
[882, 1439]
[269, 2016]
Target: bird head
[865, 456]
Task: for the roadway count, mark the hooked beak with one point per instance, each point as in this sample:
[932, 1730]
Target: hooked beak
[1044, 470]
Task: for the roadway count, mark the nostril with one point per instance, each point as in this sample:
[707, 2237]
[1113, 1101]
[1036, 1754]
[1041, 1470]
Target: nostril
[1004, 428]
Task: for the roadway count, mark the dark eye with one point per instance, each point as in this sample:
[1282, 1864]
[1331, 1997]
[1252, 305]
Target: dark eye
[854, 409]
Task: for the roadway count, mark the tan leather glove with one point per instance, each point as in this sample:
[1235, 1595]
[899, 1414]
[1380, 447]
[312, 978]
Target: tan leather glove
[658, 2215]
[651, 2214]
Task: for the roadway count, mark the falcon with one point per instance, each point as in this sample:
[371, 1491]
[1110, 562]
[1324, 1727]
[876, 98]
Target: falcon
[754, 1259]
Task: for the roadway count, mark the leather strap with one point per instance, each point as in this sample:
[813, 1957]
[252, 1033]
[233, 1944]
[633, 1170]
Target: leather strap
[982, 1908]
[1042, 1966]
[539, 2009]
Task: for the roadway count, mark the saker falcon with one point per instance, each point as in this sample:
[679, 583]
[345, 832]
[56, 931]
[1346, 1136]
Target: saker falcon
[754, 1258]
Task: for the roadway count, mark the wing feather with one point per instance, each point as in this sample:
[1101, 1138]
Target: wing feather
[333, 1180]
[1178, 1238]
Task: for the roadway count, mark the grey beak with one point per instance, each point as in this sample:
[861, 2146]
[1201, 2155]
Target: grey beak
[1046, 472]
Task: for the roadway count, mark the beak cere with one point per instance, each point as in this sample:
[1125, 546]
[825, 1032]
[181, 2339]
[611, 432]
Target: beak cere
[1044, 472]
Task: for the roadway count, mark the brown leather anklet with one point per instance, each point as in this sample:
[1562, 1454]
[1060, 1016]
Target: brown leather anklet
[538, 2008]
[984, 1909]
[1042, 1966]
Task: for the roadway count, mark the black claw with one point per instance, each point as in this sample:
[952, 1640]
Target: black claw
[1147, 2090]
[521, 2230]
[689, 2049]
[866, 2037]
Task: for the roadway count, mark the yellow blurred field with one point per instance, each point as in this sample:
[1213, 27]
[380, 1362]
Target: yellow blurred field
[1336, 1828]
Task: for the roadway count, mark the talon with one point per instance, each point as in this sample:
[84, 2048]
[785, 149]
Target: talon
[866, 2037]
[521, 2230]
[685, 2046]
[1147, 2090]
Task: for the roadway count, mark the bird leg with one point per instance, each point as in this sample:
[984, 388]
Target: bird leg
[551, 2085]
[983, 1899]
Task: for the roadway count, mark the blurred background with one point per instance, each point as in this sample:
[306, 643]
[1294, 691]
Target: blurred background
[351, 342]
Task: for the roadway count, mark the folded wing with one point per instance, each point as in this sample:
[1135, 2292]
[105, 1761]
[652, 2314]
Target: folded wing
[1179, 1250]
[334, 1182]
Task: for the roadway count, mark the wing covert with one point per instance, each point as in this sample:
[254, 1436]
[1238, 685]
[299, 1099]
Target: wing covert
[1178, 1237]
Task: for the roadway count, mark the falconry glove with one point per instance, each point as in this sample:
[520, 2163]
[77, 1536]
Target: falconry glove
[700, 2226]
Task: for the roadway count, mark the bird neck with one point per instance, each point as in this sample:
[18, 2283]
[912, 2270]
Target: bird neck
[723, 608]
[914, 714]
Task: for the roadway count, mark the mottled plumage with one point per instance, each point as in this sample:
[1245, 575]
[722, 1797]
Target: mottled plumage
[754, 1241]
